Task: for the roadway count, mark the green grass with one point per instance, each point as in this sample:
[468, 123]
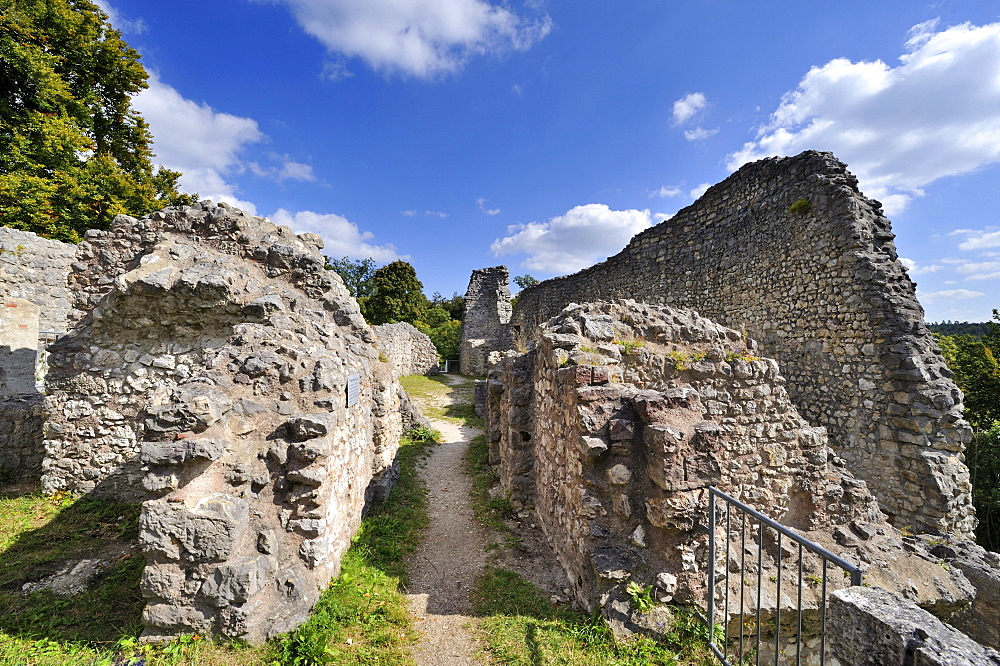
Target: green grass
[520, 627]
[361, 619]
[490, 511]
[429, 391]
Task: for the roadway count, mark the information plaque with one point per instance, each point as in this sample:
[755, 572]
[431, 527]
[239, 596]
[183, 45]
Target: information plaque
[353, 389]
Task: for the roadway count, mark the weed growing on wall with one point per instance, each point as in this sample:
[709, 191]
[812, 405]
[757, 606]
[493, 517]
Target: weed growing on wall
[800, 208]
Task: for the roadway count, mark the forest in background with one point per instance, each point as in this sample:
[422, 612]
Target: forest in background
[973, 359]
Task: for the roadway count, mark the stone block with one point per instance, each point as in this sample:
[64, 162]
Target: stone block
[873, 627]
[207, 532]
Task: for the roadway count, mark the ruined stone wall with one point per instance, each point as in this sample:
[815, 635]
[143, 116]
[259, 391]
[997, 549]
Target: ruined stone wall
[408, 350]
[33, 297]
[35, 269]
[637, 410]
[217, 371]
[21, 448]
[486, 322]
[820, 287]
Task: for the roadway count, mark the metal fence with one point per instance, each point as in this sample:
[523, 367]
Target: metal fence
[748, 650]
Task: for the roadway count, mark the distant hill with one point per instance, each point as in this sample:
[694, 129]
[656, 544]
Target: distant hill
[960, 328]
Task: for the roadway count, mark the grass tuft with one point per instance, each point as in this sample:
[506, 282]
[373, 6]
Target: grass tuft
[520, 627]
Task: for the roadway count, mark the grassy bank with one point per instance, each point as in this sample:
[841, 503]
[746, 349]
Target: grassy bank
[361, 619]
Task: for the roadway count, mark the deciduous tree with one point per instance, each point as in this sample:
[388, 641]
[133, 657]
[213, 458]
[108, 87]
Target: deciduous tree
[397, 295]
[73, 152]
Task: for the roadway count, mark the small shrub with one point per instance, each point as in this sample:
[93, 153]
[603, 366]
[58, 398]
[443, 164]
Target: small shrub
[629, 346]
[800, 208]
[422, 434]
[679, 359]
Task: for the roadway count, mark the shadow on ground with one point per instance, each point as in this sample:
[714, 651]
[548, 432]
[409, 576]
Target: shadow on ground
[67, 532]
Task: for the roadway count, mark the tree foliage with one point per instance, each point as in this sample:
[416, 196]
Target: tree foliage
[454, 306]
[73, 153]
[446, 337]
[525, 281]
[357, 274]
[397, 295]
[974, 360]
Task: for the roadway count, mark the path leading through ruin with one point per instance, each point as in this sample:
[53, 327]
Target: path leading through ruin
[452, 554]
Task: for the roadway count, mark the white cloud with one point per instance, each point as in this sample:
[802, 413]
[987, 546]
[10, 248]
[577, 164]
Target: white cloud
[128, 26]
[664, 192]
[699, 133]
[517, 89]
[336, 70]
[980, 270]
[421, 38]
[948, 295]
[686, 107]
[584, 235]
[341, 237]
[481, 202]
[200, 142]
[914, 269]
[977, 239]
[436, 213]
[407, 213]
[899, 128]
[289, 170]
[700, 190]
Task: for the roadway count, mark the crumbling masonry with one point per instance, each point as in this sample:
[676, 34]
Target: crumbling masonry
[486, 324]
[214, 370]
[617, 419]
[789, 251]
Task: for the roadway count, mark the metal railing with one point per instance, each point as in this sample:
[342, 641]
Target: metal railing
[743, 651]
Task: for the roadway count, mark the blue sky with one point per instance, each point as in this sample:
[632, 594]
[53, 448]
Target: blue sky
[543, 134]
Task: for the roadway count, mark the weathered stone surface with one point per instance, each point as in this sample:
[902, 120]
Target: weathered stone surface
[205, 371]
[980, 620]
[872, 627]
[34, 269]
[485, 325]
[409, 351]
[618, 472]
[18, 347]
[206, 532]
[825, 295]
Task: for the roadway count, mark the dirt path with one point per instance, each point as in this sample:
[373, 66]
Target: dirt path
[450, 557]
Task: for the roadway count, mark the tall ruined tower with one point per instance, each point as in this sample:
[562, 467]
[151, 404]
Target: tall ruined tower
[486, 325]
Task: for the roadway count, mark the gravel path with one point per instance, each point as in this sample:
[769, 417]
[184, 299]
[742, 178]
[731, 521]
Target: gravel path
[451, 556]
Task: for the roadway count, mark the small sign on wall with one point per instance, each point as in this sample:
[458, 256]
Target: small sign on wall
[353, 389]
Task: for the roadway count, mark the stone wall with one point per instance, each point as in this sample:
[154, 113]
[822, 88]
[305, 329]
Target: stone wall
[18, 347]
[408, 350]
[617, 419]
[35, 269]
[485, 325]
[21, 450]
[217, 371]
[789, 251]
